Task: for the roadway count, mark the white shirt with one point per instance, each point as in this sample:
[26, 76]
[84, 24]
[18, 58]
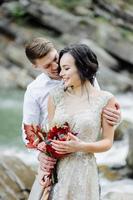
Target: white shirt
[35, 100]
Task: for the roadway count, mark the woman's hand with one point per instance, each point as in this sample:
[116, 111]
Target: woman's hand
[64, 147]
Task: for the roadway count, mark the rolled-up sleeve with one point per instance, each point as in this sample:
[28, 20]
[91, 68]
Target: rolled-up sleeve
[31, 110]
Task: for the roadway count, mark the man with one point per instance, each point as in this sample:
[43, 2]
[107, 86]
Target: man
[44, 57]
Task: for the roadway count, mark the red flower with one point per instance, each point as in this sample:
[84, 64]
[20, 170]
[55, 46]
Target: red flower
[57, 133]
[35, 135]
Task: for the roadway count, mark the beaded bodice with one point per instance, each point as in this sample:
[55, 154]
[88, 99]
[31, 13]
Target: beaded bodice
[82, 113]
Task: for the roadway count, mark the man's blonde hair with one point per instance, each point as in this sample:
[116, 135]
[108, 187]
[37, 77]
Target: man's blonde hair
[38, 48]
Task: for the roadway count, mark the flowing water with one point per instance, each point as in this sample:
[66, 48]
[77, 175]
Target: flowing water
[11, 103]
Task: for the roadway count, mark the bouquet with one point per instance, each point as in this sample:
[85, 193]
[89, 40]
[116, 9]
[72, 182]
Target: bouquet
[35, 135]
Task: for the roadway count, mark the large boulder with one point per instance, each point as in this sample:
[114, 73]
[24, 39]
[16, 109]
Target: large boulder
[16, 54]
[120, 48]
[6, 80]
[118, 190]
[14, 77]
[112, 81]
[16, 178]
[59, 20]
[122, 130]
[118, 196]
[104, 58]
[130, 150]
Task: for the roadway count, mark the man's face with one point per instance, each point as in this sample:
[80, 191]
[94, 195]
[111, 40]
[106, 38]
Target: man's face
[48, 64]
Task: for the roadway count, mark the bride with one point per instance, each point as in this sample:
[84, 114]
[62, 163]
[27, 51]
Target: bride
[80, 104]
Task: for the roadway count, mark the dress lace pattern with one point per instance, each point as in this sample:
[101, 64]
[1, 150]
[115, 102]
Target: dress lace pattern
[77, 173]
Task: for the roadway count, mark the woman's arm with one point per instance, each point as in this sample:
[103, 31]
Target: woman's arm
[51, 109]
[75, 145]
[107, 135]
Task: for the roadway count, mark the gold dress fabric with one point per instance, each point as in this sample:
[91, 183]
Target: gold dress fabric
[77, 173]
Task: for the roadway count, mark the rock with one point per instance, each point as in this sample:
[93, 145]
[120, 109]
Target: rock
[6, 80]
[16, 55]
[81, 10]
[121, 130]
[118, 190]
[104, 58]
[6, 29]
[117, 9]
[21, 77]
[69, 29]
[120, 48]
[118, 196]
[126, 129]
[108, 173]
[59, 20]
[14, 78]
[130, 150]
[16, 178]
[112, 81]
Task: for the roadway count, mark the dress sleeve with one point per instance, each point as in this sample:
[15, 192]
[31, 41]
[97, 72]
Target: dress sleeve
[107, 97]
[57, 94]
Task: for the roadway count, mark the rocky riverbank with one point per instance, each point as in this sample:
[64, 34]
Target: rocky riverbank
[16, 178]
[105, 27]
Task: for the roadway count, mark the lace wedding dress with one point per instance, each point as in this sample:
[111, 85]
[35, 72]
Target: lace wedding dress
[77, 173]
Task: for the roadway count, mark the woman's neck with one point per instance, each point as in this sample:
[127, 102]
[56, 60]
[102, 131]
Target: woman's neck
[78, 90]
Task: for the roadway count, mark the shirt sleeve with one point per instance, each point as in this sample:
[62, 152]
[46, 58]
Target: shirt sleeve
[31, 110]
[96, 84]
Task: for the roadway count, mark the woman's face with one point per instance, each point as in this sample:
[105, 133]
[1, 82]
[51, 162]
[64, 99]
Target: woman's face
[69, 72]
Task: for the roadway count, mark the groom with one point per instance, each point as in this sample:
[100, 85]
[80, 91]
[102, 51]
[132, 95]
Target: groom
[44, 57]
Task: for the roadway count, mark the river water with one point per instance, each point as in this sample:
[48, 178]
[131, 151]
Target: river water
[11, 102]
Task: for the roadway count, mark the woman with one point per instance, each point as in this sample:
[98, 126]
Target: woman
[80, 104]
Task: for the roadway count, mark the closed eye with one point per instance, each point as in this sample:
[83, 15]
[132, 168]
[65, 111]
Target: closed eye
[55, 59]
[47, 66]
[67, 68]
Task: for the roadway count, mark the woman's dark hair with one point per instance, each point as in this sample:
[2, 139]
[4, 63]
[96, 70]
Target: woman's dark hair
[85, 61]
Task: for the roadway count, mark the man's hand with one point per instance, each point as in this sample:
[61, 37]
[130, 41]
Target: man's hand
[46, 163]
[113, 116]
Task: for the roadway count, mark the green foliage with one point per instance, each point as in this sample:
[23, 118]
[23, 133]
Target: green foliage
[126, 34]
[16, 10]
[129, 1]
[83, 22]
[68, 4]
